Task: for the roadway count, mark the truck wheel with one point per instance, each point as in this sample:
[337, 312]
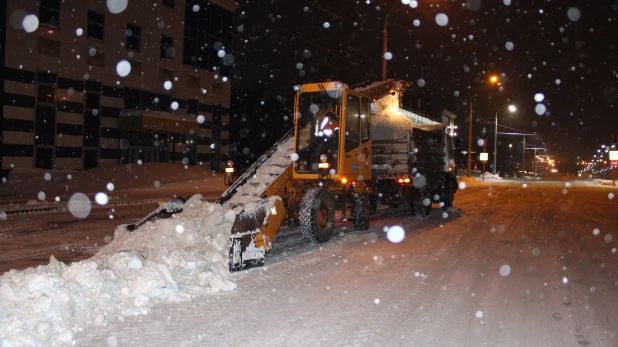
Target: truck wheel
[428, 207]
[361, 211]
[407, 207]
[373, 203]
[317, 215]
[448, 198]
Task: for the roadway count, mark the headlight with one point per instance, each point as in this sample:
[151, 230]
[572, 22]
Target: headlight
[339, 85]
[323, 158]
[298, 88]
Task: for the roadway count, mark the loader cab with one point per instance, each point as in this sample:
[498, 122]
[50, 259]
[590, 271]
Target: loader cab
[332, 135]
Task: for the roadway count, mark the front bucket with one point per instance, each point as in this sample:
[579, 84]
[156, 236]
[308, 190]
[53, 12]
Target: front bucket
[253, 233]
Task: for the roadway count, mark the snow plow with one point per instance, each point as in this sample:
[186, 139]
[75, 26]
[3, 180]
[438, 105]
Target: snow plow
[326, 163]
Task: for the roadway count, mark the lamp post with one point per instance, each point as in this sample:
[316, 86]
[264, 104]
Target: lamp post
[385, 38]
[512, 109]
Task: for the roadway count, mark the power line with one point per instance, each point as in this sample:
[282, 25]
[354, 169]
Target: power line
[327, 11]
[500, 125]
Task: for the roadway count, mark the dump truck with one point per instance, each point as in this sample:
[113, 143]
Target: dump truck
[350, 150]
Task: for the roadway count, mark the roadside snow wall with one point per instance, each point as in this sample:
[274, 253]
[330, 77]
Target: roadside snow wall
[168, 260]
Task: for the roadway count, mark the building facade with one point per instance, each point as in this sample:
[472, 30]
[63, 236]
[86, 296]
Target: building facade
[65, 106]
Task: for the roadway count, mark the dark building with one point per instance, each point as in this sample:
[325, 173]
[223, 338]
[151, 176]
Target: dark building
[64, 104]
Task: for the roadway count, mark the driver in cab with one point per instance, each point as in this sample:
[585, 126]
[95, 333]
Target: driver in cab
[329, 124]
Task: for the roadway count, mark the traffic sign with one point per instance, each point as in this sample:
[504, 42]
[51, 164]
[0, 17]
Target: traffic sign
[614, 163]
[613, 155]
[484, 157]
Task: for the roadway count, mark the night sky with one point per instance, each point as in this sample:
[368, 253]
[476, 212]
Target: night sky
[563, 49]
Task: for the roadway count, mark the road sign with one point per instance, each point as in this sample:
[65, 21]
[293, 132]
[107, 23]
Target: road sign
[614, 163]
[484, 157]
[613, 155]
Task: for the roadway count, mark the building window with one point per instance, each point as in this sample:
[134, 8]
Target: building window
[96, 24]
[166, 75]
[92, 101]
[192, 107]
[193, 82]
[167, 47]
[133, 35]
[216, 117]
[131, 99]
[49, 12]
[202, 30]
[46, 95]
[168, 3]
[136, 68]
[98, 59]
[49, 47]
[216, 134]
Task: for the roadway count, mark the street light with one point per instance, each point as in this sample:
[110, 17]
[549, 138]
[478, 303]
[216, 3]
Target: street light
[512, 109]
[385, 38]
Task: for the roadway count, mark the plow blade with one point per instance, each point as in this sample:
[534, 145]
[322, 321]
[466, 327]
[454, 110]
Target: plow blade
[254, 232]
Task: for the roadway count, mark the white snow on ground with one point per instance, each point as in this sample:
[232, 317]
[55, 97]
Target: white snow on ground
[490, 176]
[168, 260]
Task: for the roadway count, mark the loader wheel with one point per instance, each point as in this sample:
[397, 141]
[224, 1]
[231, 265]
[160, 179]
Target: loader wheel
[317, 215]
[361, 211]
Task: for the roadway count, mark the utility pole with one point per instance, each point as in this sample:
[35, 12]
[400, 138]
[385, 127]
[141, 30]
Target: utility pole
[384, 48]
[523, 161]
[392, 10]
[470, 143]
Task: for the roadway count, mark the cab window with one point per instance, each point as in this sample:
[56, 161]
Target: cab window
[365, 120]
[352, 123]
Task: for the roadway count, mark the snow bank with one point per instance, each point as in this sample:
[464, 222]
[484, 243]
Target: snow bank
[132, 179]
[467, 181]
[489, 176]
[167, 260]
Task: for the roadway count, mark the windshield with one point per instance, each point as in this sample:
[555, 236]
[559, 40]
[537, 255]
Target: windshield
[318, 130]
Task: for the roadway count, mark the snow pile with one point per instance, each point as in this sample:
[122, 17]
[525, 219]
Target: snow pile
[167, 260]
[391, 122]
[467, 181]
[490, 176]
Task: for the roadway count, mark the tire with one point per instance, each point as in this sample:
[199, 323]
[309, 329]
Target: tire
[451, 187]
[407, 207]
[428, 208]
[361, 211]
[419, 208]
[373, 203]
[317, 215]
[450, 198]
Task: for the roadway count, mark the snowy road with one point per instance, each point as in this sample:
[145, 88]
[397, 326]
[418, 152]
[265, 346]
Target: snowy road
[511, 266]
